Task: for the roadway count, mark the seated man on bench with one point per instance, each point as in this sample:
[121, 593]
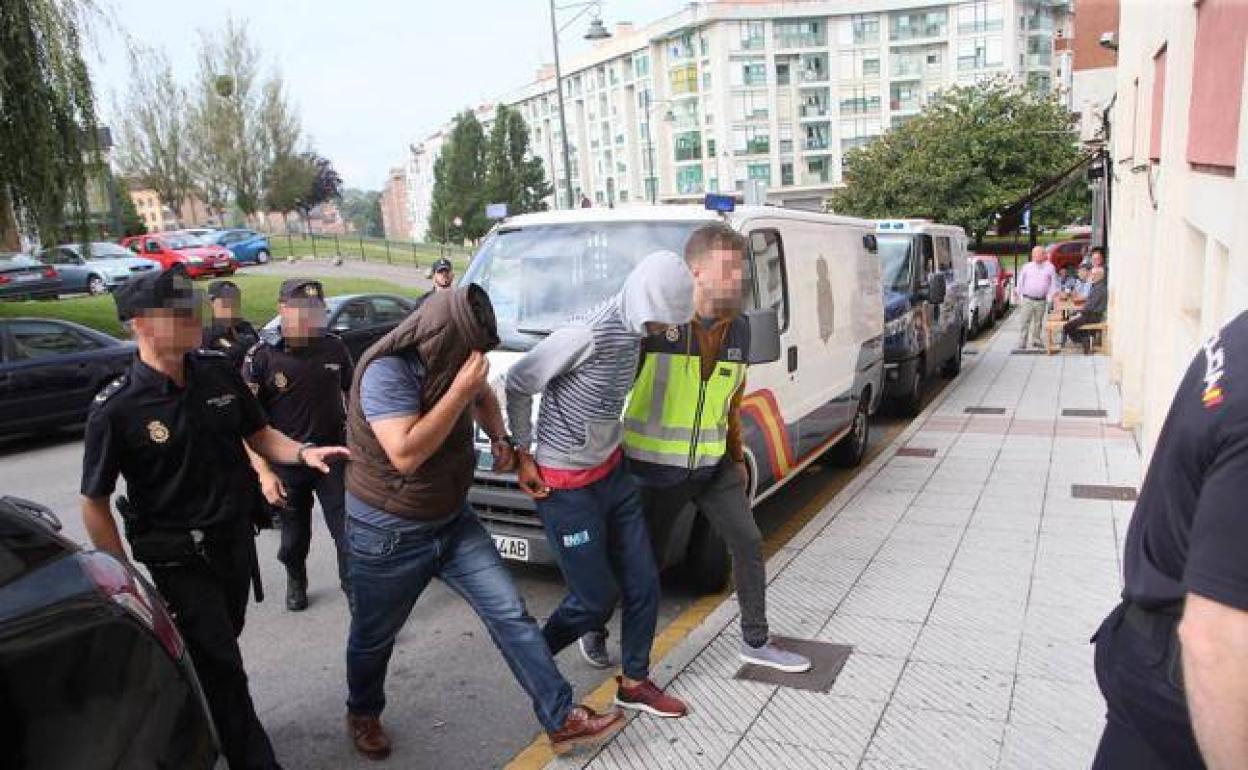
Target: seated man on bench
[1092, 312]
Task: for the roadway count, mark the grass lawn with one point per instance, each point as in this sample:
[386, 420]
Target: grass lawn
[366, 249]
[259, 301]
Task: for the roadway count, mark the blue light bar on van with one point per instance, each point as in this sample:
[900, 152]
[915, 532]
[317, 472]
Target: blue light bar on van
[721, 203]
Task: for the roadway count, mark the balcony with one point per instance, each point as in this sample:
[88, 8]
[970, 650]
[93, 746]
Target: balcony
[813, 76]
[1039, 60]
[816, 144]
[756, 146]
[1039, 22]
[753, 44]
[906, 71]
[801, 40]
[814, 111]
[905, 105]
[811, 178]
[926, 32]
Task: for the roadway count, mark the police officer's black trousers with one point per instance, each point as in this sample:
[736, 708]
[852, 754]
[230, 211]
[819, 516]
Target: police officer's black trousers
[209, 603]
[330, 490]
[1147, 722]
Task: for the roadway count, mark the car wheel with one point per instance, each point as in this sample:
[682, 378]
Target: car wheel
[974, 323]
[912, 402]
[850, 451]
[707, 562]
[262, 257]
[96, 285]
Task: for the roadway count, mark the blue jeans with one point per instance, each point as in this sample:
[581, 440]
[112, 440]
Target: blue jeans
[390, 567]
[600, 540]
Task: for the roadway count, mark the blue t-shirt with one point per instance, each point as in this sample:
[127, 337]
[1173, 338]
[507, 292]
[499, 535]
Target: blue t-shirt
[390, 387]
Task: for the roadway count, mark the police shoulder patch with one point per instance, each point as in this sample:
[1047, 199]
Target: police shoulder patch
[111, 389]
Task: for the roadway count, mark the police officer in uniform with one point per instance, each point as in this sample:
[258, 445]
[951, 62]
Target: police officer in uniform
[1172, 658]
[301, 376]
[229, 332]
[174, 427]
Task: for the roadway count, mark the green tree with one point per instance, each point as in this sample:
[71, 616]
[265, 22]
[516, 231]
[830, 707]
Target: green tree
[48, 137]
[512, 176]
[153, 146]
[289, 183]
[459, 176]
[362, 208]
[131, 222]
[971, 152]
[326, 185]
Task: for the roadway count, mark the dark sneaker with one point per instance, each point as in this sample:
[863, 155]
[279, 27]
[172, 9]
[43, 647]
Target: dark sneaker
[650, 699]
[585, 727]
[368, 736]
[771, 656]
[594, 649]
[296, 593]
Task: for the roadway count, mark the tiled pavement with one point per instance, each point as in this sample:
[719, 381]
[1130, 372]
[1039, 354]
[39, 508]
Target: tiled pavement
[968, 584]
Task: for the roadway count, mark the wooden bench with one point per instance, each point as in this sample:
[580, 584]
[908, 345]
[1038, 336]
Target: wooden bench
[1054, 324]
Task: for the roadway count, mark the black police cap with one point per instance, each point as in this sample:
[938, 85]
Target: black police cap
[155, 290]
[223, 290]
[442, 264]
[301, 288]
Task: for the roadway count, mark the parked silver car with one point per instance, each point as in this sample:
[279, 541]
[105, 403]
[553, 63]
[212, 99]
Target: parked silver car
[95, 268]
[24, 277]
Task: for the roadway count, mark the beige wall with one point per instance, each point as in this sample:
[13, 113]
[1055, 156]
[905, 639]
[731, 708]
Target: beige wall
[395, 213]
[1179, 238]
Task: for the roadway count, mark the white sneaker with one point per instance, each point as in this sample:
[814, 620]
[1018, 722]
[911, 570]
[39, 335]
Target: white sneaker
[771, 656]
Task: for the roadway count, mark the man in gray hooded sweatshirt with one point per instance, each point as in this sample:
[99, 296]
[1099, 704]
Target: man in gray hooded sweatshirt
[589, 505]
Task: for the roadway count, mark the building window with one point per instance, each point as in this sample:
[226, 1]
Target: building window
[786, 138]
[751, 140]
[857, 65]
[857, 100]
[980, 53]
[1213, 116]
[905, 97]
[750, 73]
[688, 146]
[800, 33]
[862, 29]
[750, 105]
[913, 25]
[786, 174]
[641, 63]
[818, 171]
[983, 16]
[1158, 105]
[817, 136]
[814, 68]
[706, 81]
[783, 69]
[858, 131]
[684, 80]
[752, 36]
[759, 171]
[710, 148]
[689, 180]
[814, 102]
[680, 48]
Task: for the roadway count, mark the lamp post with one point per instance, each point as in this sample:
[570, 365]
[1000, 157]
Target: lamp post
[652, 179]
[596, 32]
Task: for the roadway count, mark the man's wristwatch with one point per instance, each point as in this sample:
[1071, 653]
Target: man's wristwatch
[300, 457]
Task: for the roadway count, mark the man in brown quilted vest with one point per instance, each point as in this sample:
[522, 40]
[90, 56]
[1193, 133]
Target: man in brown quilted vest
[410, 425]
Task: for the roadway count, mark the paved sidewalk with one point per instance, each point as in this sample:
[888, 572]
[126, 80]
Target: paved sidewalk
[968, 583]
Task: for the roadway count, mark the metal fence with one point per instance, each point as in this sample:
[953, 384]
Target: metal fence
[363, 248]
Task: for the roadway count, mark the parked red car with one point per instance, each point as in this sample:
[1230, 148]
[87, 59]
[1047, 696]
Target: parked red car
[1064, 254]
[1003, 282]
[169, 249]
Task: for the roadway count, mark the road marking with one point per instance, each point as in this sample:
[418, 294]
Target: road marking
[538, 754]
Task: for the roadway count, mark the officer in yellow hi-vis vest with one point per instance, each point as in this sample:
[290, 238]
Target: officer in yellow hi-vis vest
[682, 434]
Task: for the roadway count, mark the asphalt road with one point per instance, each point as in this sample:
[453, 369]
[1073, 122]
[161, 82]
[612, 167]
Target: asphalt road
[451, 700]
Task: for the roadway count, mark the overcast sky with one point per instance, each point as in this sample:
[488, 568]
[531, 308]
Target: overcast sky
[368, 76]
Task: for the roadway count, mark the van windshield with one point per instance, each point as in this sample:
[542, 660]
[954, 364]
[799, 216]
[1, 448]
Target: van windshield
[543, 276]
[895, 259]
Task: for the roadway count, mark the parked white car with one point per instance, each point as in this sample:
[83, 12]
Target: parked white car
[981, 294]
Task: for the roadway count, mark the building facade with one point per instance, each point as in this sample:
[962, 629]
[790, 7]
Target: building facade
[1178, 249]
[421, 157]
[1094, 61]
[159, 216]
[396, 214]
[723, 93]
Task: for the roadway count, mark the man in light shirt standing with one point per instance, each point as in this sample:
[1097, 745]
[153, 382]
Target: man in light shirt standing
[1037, 282]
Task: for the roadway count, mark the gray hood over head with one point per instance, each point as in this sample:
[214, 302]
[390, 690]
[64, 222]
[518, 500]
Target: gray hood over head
[659, 290]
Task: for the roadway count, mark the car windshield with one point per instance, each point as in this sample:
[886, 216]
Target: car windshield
[541, 277]
[182, 241]
[105, 251]
[895, 258]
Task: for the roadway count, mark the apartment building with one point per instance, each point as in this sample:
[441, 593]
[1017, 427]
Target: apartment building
[159, 216]
[395, 211]
[1178, 246]
[421, 157]
[723, 93]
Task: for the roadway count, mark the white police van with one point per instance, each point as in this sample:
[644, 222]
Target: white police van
[816, 271]
[923, 270]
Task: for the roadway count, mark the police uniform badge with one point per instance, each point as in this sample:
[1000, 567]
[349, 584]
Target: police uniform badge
[279, 381]
[157, 432]
[672, 334]
[310, 290]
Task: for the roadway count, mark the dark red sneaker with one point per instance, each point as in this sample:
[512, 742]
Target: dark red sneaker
[650, 699]
[585, 727]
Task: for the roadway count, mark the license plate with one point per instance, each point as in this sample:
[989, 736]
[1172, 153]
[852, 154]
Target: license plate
[514, 548]
[222, 263]
[29, 276]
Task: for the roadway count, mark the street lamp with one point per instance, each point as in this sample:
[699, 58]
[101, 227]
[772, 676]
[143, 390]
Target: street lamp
[596, 32]
[652, 180]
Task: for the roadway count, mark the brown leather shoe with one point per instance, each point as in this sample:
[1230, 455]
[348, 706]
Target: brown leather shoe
[369, 737]
[584, 727]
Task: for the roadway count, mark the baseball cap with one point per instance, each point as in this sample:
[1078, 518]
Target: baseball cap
[167, 289]
[442, 264]
[224, 290]
[301, 289]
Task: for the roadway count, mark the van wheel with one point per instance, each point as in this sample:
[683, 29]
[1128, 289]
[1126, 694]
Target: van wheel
[911, 403]
[707, 561]
[849, 451]
[974, 323]
[954, 365]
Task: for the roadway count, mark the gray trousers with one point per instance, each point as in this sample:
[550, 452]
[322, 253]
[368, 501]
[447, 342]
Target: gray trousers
[1033, 312]
[724, 502]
